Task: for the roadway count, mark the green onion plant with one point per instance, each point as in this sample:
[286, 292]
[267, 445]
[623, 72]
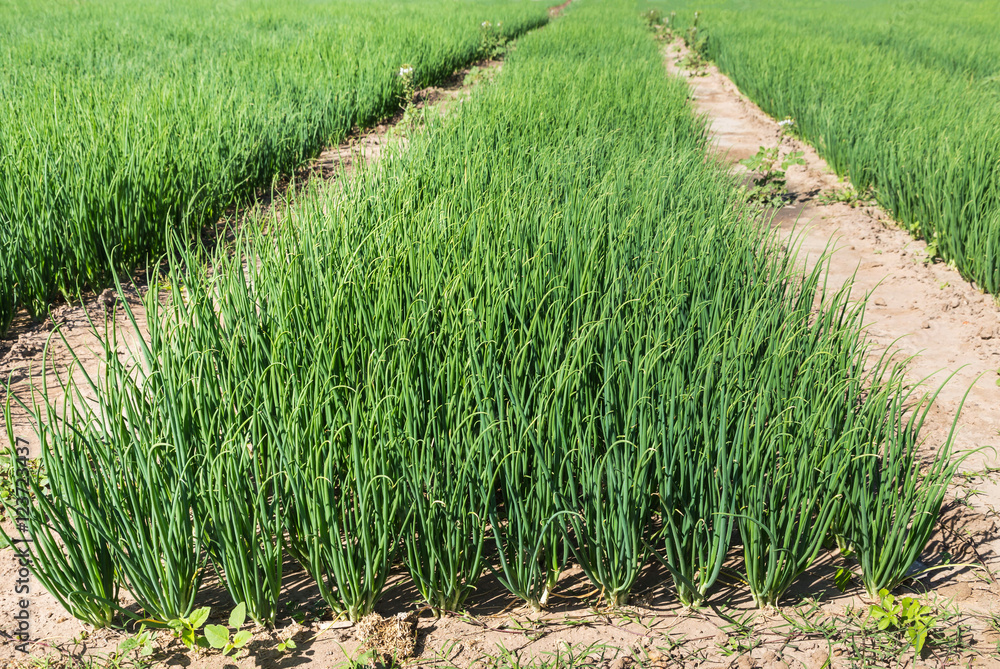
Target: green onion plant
[68, 554]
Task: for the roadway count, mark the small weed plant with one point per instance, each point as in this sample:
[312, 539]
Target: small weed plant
[662, 27]
[186, 628]
[849, 196]
[907, 615]
[194, 633]
[769, 186]
[409, 87]
[862, 642]
[695, 38]
[140, 642]
[226, 640]
[492, 41]
[694, 63]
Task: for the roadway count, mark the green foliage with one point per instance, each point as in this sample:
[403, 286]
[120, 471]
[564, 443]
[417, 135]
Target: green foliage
[220, 637]
[900, 96]
[842, 578]
[409, 88]
[550, 313]
[242, 503]
[792, 462]
[848, 195]
[697, 481]
[524, 517]
[141, 642]
[70, 555]
[892, 496]
[695, 37]
[186, 627]
[338, 484]
[119, 122]
[194, 633]
[447, 477]
[492, 40]
[661, 26]
[769, 185]
[906, 615]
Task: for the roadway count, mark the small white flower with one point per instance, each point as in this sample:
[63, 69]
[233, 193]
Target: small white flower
[486, 24]
[404, 71]
[787, 122]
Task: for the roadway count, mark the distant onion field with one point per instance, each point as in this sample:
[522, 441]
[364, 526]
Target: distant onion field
[121, 123]
[902, 97]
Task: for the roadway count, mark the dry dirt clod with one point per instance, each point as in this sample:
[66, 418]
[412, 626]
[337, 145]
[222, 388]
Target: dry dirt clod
[388, 639]
[25, 347]
[771, 660]
[623, 662]
[957, 591]
[817, 659]
[108, 299]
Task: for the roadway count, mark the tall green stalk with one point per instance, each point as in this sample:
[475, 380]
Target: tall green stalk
[67, 553]
[346, 508]
[245, 523]
[698, 477]
[892, 498]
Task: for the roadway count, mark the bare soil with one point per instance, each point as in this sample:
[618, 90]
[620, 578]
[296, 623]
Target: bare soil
[917, 306]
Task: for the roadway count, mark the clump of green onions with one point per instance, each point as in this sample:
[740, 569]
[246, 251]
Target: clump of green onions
[697, 478]
[892, 497]
[524, 517]
[69, 555]
[245, 523]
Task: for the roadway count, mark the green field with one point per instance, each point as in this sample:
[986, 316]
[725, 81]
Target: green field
[903, 97]
[119, 124]
[547, 332]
